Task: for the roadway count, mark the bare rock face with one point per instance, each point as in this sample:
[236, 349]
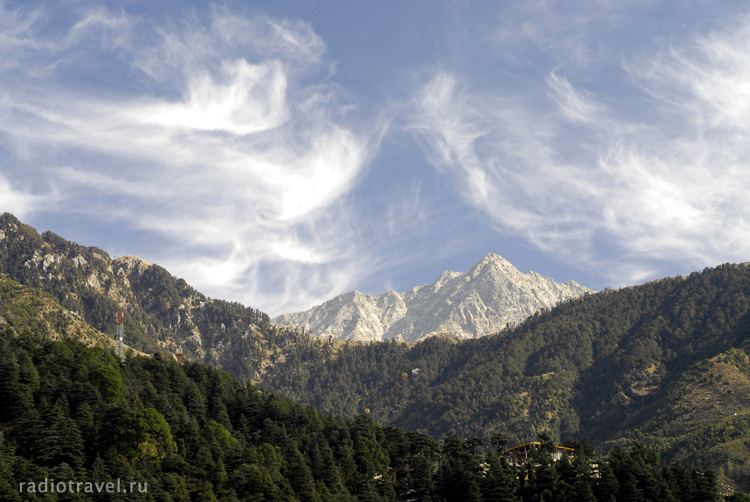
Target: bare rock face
[478, 302]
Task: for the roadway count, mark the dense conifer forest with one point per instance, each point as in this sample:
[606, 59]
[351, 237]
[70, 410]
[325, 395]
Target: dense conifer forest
[74, 414]
[664, 364]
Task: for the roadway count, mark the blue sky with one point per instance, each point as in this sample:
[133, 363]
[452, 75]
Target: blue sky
[281, 153]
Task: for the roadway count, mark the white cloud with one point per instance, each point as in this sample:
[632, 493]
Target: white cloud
[219, 144]
[451, 135]
[252, 100]
[111, 30]
[589, 183]
[711, 74]
[225, 139]
[576, 106]
[19, 203]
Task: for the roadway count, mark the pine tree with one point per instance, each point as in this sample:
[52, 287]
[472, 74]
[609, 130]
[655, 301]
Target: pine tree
[63, 443]
[499, 483]
[298, 474]
[421, 483]
[11, 396]
[8, 487]
[605, 485]
[459, 470]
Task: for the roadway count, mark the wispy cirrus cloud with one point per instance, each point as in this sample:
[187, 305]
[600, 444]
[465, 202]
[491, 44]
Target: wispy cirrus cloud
[223, 139]
[220, 145]
[706, 79]
[575, 105]
[577, 174]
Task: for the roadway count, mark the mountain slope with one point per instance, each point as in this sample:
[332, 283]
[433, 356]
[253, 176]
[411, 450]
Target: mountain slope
[162, 312]
[705, 417]
[182, 431]
[615, 367]
[188, 432]
[478, 302]
[26, 310]
[612, 366]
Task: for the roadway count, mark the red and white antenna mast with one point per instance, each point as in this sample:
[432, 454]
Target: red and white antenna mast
[178, 355]
[119, 337]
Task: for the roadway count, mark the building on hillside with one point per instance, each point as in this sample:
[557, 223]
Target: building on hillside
[523, 451]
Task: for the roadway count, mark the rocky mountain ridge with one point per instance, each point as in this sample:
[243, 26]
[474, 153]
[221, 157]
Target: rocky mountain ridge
[483, 300]
[162, 312]
[665, 364]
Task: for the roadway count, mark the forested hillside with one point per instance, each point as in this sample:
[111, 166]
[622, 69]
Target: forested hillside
[73, 416]
[25, 310]
[665, 363]
[161, 311]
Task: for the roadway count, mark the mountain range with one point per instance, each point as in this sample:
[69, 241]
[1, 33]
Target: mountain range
[664, 364]
[483, 300]
[186, 431]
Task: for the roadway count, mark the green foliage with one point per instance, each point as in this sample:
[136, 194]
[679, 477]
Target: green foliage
[145, 436]
[191, 432]
[108, 382]
[608, 366]
[62, 443]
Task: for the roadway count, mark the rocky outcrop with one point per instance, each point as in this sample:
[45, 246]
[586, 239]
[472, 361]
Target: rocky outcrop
[162, 312]
[483, 300]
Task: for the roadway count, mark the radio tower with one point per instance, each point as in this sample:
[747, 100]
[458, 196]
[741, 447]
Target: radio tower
[119, 337]
[178, 355]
